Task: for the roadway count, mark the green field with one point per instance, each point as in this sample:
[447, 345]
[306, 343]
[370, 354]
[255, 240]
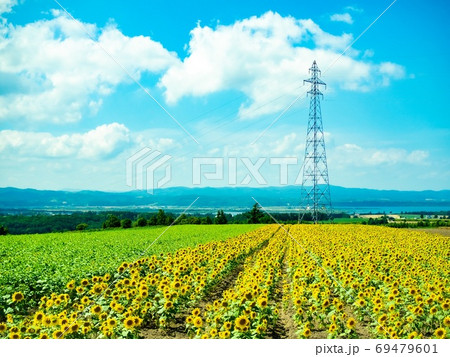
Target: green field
[39, 264]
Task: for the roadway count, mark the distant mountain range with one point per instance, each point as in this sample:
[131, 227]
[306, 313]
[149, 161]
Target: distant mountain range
[231, 198]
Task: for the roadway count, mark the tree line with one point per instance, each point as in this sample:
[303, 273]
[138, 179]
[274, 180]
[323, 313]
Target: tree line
[30, 222]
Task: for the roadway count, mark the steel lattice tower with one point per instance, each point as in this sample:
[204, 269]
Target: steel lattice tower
[315, 191]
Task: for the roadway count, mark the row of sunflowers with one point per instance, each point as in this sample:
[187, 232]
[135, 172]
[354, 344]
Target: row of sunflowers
[247, 310]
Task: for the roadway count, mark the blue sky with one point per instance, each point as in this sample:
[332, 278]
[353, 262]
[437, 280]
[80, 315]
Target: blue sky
[70, 116]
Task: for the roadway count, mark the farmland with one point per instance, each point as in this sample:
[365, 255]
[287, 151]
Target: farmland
[295, 281]
[40, 264]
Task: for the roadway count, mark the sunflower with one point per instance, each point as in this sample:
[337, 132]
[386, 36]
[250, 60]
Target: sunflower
[241, 322]
[43, 336]
[47, 321]
[198, 322]
[74, 327]
[351, 322]
[382, 319]
[85, 300]
[227, 325]
[71, 285]
[412, 335]
[17, 296]
[306, 332]
[332, 328]
[112, 322]
[14, 335]
[176, 284]
[96, 309]
[377, 301]
[49, 303]
[97, 289]
[58, 334]
[38, 316]
[440, 333]
[447, 321]
[445, 305]
[361, 302]
[2, 327]
[224, 334]
[128, 322]
[196, 312]
[168, 305]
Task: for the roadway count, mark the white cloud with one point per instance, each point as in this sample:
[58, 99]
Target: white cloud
[57, 73]
[345, 17]
[390, 71]
[352, 154]
[417, 156]
[267, 58]
[368, 53]
[289, 145]
[7, 5]
[163, 144]
[354, 9]
[102, 142]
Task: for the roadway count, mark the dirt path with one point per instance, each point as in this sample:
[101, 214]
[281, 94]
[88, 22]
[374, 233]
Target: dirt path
[445, 231]
[285, 325]
[362, 327]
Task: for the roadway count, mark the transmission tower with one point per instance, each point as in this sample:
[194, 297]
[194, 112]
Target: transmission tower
[315, 191]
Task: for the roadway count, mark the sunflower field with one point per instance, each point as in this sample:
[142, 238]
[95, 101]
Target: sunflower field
[293, 281]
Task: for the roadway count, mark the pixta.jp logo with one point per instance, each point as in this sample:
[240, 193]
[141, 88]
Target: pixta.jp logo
[142, 167]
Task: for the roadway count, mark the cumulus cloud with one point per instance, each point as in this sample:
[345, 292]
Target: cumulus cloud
[7, 5]
[102, 142]
[56, 73]
[267, 57]
[351, 154]
[345, 17]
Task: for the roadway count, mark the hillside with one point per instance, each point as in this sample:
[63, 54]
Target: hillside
[234, 198]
